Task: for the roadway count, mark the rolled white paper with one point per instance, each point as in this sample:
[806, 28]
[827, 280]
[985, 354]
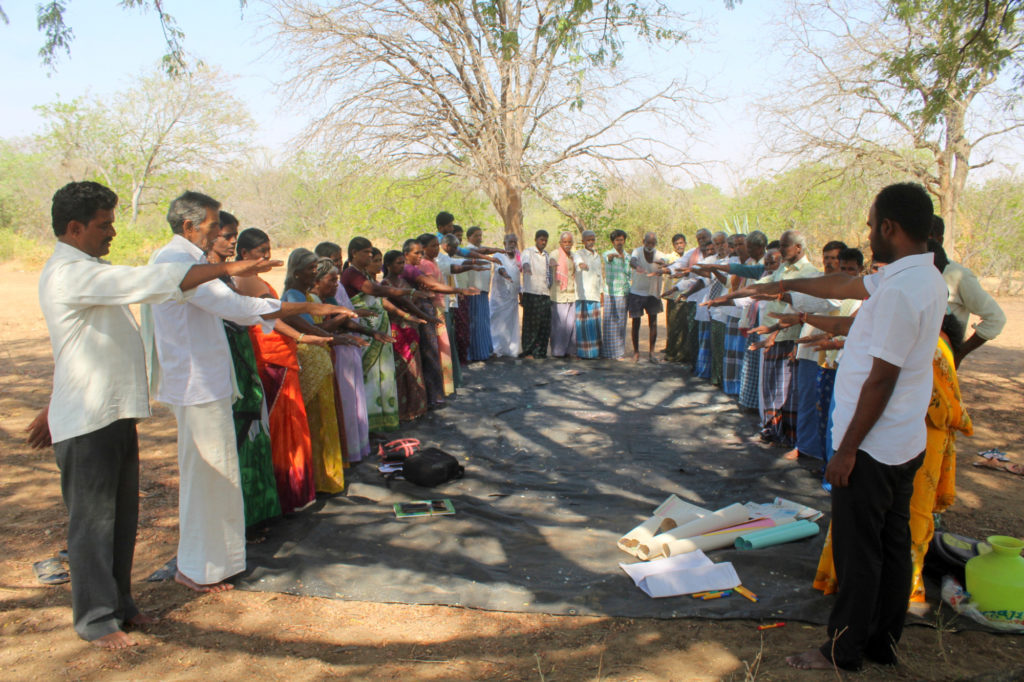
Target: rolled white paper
[671, 513]
[722, 518]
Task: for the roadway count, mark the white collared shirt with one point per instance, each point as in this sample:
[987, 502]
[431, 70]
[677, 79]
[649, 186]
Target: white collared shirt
[99, 372]
[535, 271]
[193, 353]
[589, 282]
[899, 324]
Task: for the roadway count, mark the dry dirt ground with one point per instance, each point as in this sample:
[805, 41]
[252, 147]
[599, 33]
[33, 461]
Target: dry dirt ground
[258, 635]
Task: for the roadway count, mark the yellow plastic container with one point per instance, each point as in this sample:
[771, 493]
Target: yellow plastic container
[996, 579]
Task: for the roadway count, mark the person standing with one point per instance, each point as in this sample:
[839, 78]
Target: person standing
[481, 347]
[505, 300]
[778, 375]
[536, 298]
[613, 322]
[563, 299]
[882, 391]
[966, 298]
[647, 264]
[192, 373]
[589, 288]
[252, 420]
[99, 393]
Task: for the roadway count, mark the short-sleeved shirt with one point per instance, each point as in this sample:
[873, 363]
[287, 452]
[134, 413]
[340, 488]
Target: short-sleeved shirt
[535, 271]
[899, 323]
[589, 282]
[352, 280]
[616, 273]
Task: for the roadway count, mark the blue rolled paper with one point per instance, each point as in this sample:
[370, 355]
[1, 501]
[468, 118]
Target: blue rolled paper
[798, 530]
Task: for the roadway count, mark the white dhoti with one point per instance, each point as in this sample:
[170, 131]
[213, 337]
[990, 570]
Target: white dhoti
[211, 526]
[505, 314]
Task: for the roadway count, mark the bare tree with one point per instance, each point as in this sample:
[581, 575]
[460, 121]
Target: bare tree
[511, 94]
[160, 125]
[911, 86]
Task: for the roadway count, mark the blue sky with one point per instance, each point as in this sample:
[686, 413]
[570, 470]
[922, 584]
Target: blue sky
[112, 45]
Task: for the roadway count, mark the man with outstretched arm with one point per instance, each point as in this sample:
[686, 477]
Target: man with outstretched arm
[99, 392]
[883, 387]
[191, 373]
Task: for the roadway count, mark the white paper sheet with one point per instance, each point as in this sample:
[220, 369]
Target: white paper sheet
[683, 574]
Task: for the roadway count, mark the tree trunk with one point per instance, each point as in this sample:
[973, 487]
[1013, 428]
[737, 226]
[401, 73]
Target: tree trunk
[136, 200]
[507, 197]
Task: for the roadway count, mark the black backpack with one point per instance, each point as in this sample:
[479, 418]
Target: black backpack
[431, 467]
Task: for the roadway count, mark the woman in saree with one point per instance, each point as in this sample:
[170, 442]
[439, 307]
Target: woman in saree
[348, 360]
[409, 384]
[430, 352]
[378, 358]
[317, 378]
[249, 410]
[278, 367]
[429, 267]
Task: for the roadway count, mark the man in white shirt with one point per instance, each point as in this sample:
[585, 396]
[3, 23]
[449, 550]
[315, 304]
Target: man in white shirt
[589, 288]
[882, 391]
[99, 392]
[648, 265]
[966, 298]
[193, 374]
[536, 297]
[505, 300]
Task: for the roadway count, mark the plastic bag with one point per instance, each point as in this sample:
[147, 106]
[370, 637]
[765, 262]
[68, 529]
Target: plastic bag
[957, 597]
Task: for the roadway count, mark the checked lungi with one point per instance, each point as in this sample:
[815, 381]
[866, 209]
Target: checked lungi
[735, 345]
[702, 365]
[536, 325]
[749, 390]
[717, 352]
[480, 345]
[778, 382]
[688, 353]
[588, 329]
[808, 431]
[613, 327]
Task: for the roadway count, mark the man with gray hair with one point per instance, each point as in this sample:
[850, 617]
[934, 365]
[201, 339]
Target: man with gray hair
[191, 370]
[648, 265]
[589, 286]
[778, 379]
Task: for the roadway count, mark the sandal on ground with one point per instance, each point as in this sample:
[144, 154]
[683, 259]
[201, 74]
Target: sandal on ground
[51, 572]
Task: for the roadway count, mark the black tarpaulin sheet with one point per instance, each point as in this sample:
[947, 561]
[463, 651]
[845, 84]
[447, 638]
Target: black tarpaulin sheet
[561, 460]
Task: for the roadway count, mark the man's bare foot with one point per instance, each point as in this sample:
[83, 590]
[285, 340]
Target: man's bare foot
[792, 454]
[653, 359]
[115, 640]
[183, 579]
[140, 619]
[636, 357]
[810, 660]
